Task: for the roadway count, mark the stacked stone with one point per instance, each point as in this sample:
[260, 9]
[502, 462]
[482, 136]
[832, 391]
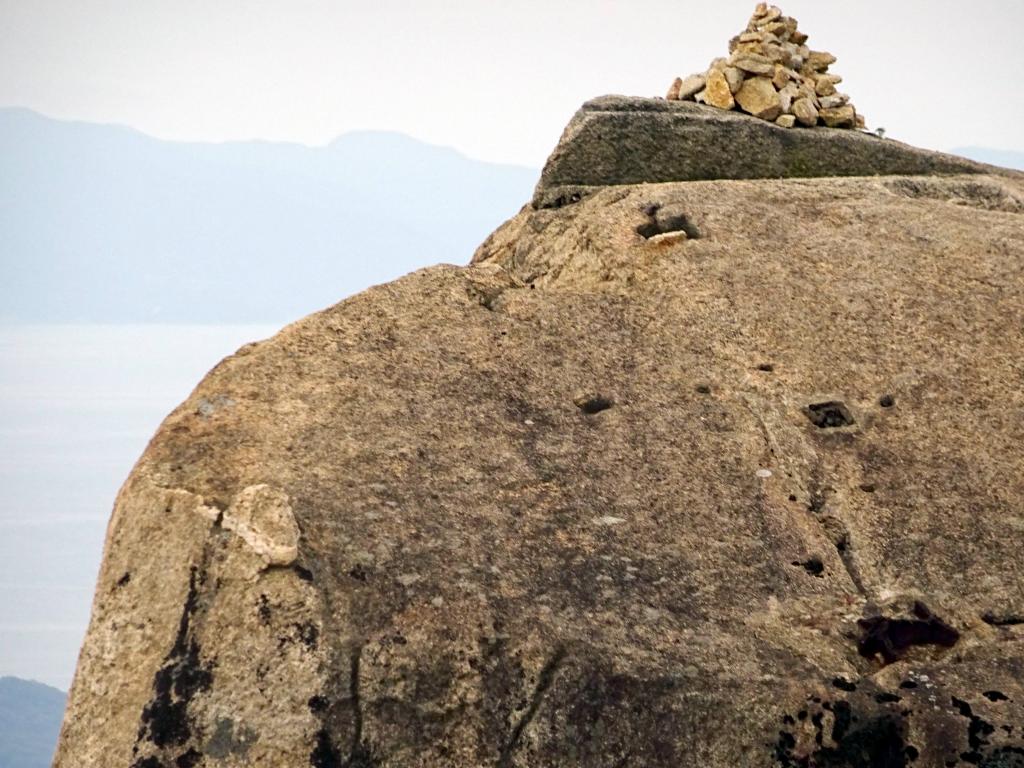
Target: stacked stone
[773, 75]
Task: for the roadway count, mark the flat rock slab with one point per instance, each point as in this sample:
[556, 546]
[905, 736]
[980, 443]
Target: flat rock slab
[623, 140]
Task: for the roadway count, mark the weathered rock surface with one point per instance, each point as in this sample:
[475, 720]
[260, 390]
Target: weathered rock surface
[628, 140]
[717, 474]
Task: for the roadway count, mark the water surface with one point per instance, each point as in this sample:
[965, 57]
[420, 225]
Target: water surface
[78, 403]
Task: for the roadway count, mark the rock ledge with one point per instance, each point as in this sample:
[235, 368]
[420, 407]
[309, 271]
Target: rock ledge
[616, 140]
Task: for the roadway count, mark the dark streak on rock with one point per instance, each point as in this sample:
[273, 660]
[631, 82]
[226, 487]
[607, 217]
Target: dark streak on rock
[360, 755]
[844, 548]
[544, 681]
[324, 754]
[165, 721]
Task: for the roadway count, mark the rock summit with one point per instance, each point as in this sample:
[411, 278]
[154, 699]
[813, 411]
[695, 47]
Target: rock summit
[681, 471]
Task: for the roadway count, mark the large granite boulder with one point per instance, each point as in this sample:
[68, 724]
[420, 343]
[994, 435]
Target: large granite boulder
[718, 473]
[628, 140]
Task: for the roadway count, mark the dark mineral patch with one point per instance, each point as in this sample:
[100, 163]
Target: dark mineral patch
[891, 638]
[830, 415]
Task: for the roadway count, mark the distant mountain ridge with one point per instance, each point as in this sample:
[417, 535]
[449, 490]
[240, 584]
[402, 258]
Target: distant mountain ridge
[105, 224]
[30, 715]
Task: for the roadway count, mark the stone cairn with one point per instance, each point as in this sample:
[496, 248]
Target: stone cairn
[773, 75]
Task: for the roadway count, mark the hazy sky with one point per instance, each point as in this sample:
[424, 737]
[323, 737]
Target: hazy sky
[497, 80]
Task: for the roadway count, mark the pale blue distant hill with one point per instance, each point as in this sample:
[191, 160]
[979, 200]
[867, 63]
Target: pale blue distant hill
[1006, 158]
[104, 224]
[30, 715]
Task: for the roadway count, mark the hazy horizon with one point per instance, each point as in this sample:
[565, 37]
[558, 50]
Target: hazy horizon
[326, 144]
[1013, 154]
[496, 83]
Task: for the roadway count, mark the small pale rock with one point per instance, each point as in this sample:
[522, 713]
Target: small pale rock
[807, 92]
[717, 93]
[753, 62]
[734, 76]
[609, 520]
[839, 117]
[690, 86]
[832, 102]
[673, 91]
[751, 37]
[748, 48]
[776, 54]
[788, 95]
[786, 121]
[758, 97]
[805, 111]
[667, 238]
[824, 88]
[819, 61]
[720, 63]
[782, 76]
[825, 85]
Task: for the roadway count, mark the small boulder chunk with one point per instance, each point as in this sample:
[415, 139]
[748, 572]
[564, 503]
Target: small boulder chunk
[262, 517]
[673, 90]
[718, 93]
[754, 63]
[805, 111]
[839, 117]
[759, 98]
[690, 86]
